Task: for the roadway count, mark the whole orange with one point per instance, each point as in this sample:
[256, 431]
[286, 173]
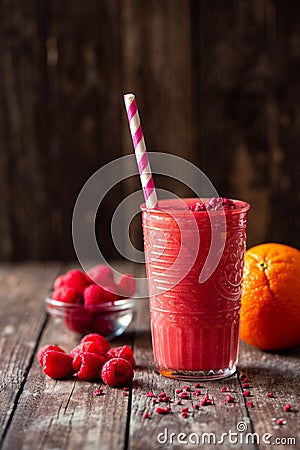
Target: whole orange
[270, 312]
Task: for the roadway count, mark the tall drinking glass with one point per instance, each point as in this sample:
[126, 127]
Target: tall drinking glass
[194, 321]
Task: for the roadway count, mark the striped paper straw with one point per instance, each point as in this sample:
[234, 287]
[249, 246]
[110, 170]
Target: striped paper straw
[140, 151]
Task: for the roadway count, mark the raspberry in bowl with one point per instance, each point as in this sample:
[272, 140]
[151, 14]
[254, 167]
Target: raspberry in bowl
[92, 302]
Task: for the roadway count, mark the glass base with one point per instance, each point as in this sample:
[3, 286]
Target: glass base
[198, 375]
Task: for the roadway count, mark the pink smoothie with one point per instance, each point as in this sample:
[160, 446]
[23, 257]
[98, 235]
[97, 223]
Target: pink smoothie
[194, 326]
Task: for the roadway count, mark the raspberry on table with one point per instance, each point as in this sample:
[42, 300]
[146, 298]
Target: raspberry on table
[66, 294]
[124, 352]
[46, 348]
[93, 295]
[88, 366]
[126, 285]
[97, 339]
[117, 372]
[58, 365]
[101, 275]
[87, 346]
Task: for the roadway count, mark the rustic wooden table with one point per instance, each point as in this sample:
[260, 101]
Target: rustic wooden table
[40, 413]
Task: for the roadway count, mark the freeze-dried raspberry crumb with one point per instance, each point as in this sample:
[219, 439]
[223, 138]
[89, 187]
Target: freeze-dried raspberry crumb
[146, 415]
[178, 391]
[125, 394]
[246, 393]
[88, 366]
[245, 385]
[88, 346]
[229, 399]
[224, 389]
[249, 404]
[184, 395]
[66, 294]
[98, 392]
[98, 339]
[164, 410]
[185, 409]
[178, 402]
[197, 392]
[280, 421]
[58, 365]
[162, 394]
[287, 407]
[117, 372]
[197, 385]
[243, 377]
[206, 401]
[186, 388]
[270, 394]
[196, 406]
[124, 352]
[154, 400]
[165, 399]
[46, 348]
[150, 394]
[184, 415]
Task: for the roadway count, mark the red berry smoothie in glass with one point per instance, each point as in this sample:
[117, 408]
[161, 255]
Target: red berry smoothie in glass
[195, 325]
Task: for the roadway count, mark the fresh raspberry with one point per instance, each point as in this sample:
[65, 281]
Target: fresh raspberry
[117, 372]
[88, 366]
[111, 296]
[97, 339]
[58, 365]
[101, 275]
[93, 295]
[103, 325]
[66, 294]
[126, 286]
[58, 282]
[124, 352]
[76, 280]
[79, 320]
[43, 350]
[88, 346]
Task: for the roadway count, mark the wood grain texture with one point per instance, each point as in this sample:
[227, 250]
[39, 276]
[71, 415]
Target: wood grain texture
[22, 292]
[40, 413]
[216, 84]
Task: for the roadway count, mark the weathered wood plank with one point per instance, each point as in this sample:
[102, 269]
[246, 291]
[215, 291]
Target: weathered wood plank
[66, 414]
[23, 316]
[156, 431]
[277, 373]
[42, 413]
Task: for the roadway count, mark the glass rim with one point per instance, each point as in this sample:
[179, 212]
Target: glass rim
[241, 206]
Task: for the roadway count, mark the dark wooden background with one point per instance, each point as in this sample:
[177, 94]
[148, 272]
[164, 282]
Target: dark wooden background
[217, 83]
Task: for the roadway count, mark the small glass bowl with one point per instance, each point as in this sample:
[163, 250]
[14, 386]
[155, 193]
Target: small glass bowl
[107, 319]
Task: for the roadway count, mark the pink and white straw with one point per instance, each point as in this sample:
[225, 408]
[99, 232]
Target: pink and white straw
[140, 151]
